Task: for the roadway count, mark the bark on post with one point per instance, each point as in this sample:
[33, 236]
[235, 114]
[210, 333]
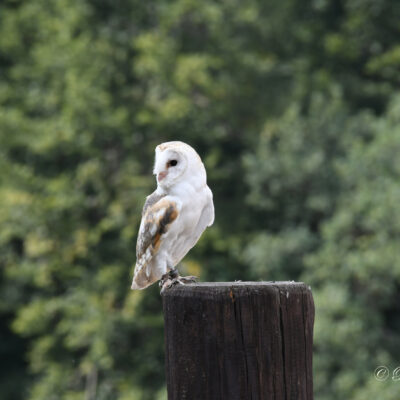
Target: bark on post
[239, 341]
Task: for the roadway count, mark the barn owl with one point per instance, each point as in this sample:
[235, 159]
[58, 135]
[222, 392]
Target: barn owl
[174, 216]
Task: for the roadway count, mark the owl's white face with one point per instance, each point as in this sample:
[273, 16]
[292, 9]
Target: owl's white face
[169, 166]
[176, 162]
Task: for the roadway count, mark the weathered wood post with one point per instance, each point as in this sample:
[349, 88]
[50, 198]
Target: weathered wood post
[239, 341]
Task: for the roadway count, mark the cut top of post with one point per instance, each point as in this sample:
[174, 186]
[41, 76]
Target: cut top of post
[239, 288]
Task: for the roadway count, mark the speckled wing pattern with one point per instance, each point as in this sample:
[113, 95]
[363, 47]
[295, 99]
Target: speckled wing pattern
[158, 213]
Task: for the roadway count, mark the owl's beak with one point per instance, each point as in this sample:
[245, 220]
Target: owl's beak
[161, 175]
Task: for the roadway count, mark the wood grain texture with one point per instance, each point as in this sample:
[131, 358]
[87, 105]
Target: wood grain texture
[239, 340]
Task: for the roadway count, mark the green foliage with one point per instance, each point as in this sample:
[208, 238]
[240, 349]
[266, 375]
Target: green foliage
[291, 105]
[360, 243]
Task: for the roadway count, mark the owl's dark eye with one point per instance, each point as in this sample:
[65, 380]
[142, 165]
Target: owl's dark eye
[172, 163]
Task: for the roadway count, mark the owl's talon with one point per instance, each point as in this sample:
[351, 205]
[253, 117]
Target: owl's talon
[164, 279]
[187, 279]
[172, 278]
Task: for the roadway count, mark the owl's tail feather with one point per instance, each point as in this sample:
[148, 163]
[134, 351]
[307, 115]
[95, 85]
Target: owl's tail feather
[135, 286]
[141, 280]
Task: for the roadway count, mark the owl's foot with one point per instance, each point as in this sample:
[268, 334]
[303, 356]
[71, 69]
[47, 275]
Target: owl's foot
[173, 278]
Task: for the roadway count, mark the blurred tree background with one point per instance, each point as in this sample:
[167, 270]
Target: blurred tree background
[292, 106]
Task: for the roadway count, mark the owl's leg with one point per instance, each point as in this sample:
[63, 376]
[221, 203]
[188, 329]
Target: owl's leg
[173, 278]
[165, 278]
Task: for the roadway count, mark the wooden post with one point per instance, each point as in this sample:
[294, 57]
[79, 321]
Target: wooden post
[239, 341]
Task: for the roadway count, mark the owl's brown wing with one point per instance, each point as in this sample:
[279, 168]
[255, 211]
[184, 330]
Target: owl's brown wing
[158, 214]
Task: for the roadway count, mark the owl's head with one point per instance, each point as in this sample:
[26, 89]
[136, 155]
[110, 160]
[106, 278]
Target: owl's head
[178, 162]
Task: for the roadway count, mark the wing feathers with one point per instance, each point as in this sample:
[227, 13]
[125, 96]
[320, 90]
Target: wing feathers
[155, 222]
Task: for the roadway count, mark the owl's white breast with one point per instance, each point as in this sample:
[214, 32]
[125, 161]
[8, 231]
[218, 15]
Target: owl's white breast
[182, 235]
